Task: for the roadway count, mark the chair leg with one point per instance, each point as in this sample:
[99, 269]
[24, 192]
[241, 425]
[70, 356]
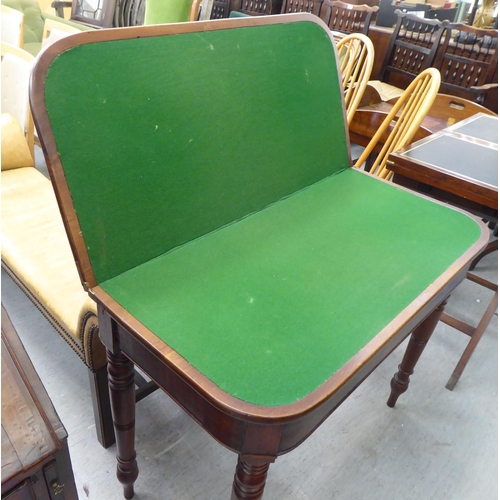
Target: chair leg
[102, 406]
[492, 246]
[475, 338]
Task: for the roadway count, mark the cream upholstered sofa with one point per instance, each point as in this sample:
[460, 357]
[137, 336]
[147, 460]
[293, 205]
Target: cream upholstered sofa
[37, 255]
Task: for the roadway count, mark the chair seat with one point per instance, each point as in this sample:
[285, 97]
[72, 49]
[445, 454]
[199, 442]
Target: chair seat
[37, 254]
[386, 91]
[232, 302]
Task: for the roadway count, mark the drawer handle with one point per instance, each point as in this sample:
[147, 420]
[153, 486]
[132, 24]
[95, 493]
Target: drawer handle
[58, 488]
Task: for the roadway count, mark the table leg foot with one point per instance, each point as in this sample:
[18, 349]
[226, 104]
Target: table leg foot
[122, 394]
[249, 479]
[452, 382]
[418, 341]
[128, 491]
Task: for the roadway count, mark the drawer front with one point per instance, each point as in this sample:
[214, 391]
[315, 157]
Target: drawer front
[20, 492]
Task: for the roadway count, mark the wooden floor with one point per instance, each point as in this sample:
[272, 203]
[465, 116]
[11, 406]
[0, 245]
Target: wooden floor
[435, 444]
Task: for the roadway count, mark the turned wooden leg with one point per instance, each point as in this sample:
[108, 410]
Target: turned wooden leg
[122, 393]
[418, 341]
[249, 479]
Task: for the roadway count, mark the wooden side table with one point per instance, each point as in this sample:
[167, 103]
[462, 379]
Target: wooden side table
[35, 457]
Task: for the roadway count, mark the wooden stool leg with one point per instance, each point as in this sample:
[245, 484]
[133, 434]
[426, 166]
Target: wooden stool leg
[249, 479]
[475, 338]
[416, 345]
[122, 392]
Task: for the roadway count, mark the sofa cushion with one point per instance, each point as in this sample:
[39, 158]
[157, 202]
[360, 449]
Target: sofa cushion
[36, 252]
[15, 150]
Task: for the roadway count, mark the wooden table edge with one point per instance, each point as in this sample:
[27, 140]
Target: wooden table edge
[400, 326]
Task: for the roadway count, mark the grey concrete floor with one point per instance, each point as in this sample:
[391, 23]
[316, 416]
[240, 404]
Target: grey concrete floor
[435, 444]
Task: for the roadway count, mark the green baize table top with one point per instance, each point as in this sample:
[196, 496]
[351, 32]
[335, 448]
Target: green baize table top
[271, 306]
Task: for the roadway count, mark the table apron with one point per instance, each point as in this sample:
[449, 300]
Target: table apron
[270, 435]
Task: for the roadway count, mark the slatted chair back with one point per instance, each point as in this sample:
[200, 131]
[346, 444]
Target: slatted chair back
[189, 135]
[403, 121]
[312, 6]
[347, 18]
[220, 9]
[258, 7]
[468, 61]
[356, 54]
[412, 49]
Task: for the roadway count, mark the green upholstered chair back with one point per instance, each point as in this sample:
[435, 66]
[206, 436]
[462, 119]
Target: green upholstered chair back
[166, 11]
[166, 133]
[34, 20]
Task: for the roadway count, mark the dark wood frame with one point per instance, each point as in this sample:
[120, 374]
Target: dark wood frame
[398, 42]
[312, 6]
[488, 78]
[257, 7]
[220, 9]
[357, 17]
[257, 434]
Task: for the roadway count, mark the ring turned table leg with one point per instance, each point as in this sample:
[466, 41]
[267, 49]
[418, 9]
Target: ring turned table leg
[418, 341]
[122, 394]
[249, 479]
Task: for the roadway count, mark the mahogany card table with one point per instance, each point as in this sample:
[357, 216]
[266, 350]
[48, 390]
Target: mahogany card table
[235, 256]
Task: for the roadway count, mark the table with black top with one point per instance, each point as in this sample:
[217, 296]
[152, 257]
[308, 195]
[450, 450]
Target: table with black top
[458, 164]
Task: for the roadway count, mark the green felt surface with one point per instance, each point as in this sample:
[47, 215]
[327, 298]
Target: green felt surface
[164, 139]
[270, 307]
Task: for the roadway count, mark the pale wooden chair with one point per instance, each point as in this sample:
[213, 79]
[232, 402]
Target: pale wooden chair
[194, 13]
[54, 30]
[12, 29]
[403, 121]
[356, 53]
